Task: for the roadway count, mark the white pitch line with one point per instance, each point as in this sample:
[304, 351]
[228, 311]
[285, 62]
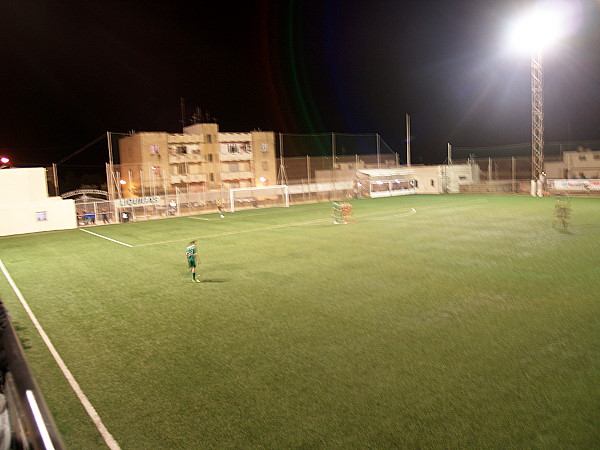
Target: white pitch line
[110, 441]
[198, 218]
[230, 233]
[107, 238]
[366, 216]
[406, 214]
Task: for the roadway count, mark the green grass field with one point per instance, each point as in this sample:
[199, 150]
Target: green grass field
[468, 321]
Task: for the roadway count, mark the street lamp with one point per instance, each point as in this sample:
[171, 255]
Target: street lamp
[536, 30]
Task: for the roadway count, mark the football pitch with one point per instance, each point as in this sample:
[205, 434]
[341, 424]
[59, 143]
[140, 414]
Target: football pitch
[431, 322]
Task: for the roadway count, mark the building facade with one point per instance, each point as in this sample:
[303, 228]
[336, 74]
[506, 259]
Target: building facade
[200, 159]
[575, 164]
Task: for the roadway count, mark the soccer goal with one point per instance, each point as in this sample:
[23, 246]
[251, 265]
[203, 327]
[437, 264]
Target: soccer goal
[258, 197]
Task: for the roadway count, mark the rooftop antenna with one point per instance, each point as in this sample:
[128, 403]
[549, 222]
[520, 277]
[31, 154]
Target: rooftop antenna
[182, 102]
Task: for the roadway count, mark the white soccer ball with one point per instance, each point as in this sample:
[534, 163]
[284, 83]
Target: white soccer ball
[222, 216]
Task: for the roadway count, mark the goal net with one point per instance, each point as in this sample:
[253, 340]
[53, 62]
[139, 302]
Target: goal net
[258, 197]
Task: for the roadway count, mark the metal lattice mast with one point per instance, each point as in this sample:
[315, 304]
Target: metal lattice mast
[537, 116]
[282, 178]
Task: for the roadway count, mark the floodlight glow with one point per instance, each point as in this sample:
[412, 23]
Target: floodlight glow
[4, 160]
[262, 179]
[123, 182]
[541, 26]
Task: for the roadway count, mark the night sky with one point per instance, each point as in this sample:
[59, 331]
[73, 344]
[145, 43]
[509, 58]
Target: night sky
[72, 70]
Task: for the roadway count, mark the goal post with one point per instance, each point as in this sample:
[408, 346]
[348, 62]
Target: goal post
[259, 197]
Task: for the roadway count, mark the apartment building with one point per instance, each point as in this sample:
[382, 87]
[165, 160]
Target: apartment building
[200, 159]
[584, 163]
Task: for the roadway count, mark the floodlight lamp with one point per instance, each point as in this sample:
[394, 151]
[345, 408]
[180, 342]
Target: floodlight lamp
[541, 26]
[4, 160]
[262, 179]
[122, 181]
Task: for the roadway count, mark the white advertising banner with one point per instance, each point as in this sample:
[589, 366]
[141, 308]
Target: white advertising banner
[575, 185]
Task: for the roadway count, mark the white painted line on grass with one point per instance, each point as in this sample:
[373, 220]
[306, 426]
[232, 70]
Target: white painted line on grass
[230, 233]
[367, 217]
[406, 214]
[107, 238]
[39, 420]
[198, 218]
[110, 441]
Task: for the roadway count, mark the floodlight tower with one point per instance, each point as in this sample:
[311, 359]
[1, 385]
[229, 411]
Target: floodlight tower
[537, 116]
[535, 31]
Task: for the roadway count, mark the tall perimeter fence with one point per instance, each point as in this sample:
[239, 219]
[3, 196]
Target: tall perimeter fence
[508, 168]
[322, 167]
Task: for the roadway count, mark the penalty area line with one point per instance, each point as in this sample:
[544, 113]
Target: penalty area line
[107, 238]
[412, 212]
[108, 438]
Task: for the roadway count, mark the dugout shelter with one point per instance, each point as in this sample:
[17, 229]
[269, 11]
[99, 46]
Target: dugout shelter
[384, 182]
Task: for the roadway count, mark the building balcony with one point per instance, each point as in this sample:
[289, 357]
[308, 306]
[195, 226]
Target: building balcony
[195, 178]
[189, 158]
[196, 157]
[243, 156]
[228, 176]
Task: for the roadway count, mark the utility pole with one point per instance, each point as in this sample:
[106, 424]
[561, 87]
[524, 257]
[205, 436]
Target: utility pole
[407, 140]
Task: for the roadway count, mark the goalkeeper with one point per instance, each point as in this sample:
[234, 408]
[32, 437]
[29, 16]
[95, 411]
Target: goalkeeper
[192, 257]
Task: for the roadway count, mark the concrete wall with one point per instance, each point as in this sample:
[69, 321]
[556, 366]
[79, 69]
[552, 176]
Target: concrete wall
[25, 206]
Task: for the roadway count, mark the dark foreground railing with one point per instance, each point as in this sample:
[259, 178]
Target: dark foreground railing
[25, 421]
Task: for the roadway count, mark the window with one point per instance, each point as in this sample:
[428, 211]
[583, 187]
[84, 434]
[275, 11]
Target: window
[582, 158]
[210, 157]
[209, 138]
[233, 148]
[597, 156]
[181, 169]
[181, 150]
[432, 183]
[41, 216]
[212, 177]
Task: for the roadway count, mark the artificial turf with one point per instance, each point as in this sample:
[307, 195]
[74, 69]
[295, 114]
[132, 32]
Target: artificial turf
[433, 321]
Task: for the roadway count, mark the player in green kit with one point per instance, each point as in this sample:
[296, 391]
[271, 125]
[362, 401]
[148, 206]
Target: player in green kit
[336, 212]
[192, 256]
